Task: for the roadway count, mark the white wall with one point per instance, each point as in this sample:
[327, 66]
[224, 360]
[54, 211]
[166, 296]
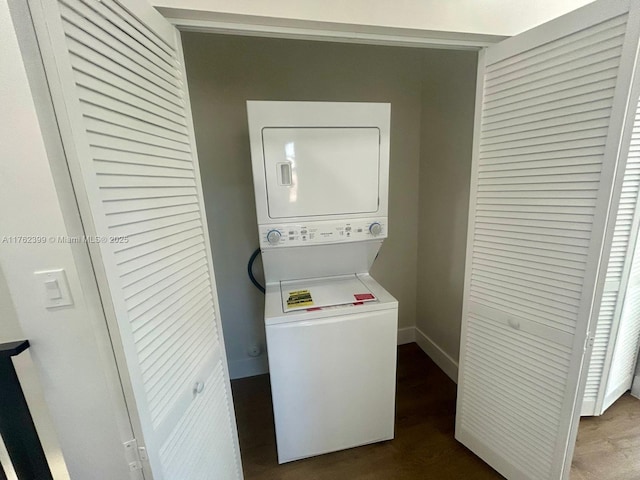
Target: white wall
[491, 17]
[68, 374]
[9, 331]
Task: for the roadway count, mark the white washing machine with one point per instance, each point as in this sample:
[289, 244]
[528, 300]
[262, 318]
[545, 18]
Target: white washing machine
[321, 181]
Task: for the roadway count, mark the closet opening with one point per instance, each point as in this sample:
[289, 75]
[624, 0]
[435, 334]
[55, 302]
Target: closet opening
[432, 97]
[544, 126]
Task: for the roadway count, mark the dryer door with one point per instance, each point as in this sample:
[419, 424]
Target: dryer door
[321, 171]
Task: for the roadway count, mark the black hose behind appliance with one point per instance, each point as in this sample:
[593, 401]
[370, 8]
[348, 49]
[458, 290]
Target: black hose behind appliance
[252, 259]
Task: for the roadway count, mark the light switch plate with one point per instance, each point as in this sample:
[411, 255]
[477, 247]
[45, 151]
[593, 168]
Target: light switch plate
[54, 288]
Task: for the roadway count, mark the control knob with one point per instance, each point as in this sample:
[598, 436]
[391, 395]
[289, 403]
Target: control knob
[375, 229]
[273, 237]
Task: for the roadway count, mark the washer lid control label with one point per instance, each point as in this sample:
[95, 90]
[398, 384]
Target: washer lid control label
[299, 298]
[364, 296]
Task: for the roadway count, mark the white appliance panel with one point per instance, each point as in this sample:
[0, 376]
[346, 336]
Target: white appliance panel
[321, 171]
[282, 235]
[333, 382]
[296, 262]
[273, 304]
[324, 292]
[311, 161]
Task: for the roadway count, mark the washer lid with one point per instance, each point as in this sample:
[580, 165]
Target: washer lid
[323, 292]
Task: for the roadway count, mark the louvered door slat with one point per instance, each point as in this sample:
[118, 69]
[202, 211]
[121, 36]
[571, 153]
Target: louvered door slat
[556, 256]
[597, 107]
[540, 164]
[141, 284]
[118, 65]
[119, 168]
[548, 99]
[149, 104]
[562, 104]
[119, 52]
[550, 123]
[588, 121]
[161, 44]
[97, 125]
[154, 341]
[553, 248]
[86, 60]
[600, 67]
[174, 310]
[94, 112]
[189, 271]
[150, 239]
[159, 266]
[538, 168]
[95, 97]
[595, 64]
[535, 282]
[543, 146]
[579, 40]
[78, 14]
[122, 67]
[552, 240]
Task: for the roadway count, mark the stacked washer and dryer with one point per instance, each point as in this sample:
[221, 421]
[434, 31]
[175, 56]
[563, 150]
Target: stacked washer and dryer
[321, 172]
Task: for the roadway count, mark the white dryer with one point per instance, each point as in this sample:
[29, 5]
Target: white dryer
[321, 181]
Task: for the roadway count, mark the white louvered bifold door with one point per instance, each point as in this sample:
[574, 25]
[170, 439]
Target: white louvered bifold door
[610, 357]
[118, 84]
[552, 103]
[625, 340]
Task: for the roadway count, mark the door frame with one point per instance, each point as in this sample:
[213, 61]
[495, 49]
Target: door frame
[292, 29]
[298, 30]
[24, 24]
[285, 28]
[55, 131]
[58, 130]
[72, 207]
[618, 142]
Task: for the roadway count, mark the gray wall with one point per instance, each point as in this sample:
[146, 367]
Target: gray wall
[225, 71]
[432, 96]
[448, 101]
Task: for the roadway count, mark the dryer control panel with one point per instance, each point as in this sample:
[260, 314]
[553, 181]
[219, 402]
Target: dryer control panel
[315, 233]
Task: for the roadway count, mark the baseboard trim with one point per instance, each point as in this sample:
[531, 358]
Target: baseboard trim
[406, 335]
[588, 408]
[614, 395]
[635, 387]
[248, 367]
[441, 358]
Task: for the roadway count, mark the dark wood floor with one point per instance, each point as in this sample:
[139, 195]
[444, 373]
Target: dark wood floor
[424, 446]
